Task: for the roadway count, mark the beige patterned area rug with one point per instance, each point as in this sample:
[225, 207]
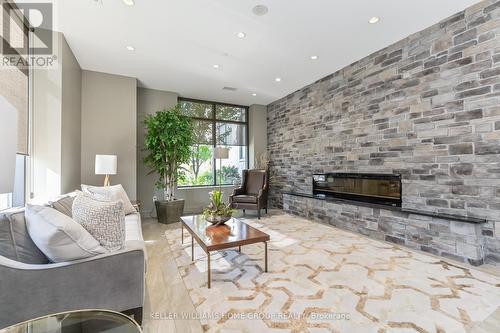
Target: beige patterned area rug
[322, 279]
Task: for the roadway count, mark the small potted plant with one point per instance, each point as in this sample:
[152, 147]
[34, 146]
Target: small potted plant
[218, 212]
[168, 140]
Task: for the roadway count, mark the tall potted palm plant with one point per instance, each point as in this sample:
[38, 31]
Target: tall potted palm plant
[168, 141]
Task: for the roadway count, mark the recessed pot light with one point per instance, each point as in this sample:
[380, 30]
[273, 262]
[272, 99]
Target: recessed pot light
[130, 48]
[241, 35]
[278, 79]
[260, 10]
[314, 57]
[254, 94]
[216, 66]
[129, 2]
[374, 20]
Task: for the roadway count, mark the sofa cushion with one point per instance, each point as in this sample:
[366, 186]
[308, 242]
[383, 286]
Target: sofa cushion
[133, 229]
[15, 241]
[58, 236]
[112, 193]
[104, 220]
[245, 198]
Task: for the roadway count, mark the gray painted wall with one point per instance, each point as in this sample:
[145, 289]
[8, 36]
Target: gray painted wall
[149, 101]
[109, 125]
[71, 120]
[258, 132]
[426, 107]
[80, 114]
[197, 198]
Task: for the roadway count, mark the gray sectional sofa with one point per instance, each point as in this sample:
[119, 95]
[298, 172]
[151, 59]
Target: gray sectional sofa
[31, 286]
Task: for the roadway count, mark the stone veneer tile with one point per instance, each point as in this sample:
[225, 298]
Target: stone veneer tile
[452, 239]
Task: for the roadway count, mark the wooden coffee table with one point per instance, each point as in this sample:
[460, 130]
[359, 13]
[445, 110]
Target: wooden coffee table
[234, 233]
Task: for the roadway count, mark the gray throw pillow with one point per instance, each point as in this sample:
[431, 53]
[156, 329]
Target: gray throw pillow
[15, 242]
[64, 204]
[104, 220]
[112, 193]
[58, 236]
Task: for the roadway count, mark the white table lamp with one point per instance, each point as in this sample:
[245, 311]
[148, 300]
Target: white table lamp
[8, 145]
[106, 165]
[221, 153]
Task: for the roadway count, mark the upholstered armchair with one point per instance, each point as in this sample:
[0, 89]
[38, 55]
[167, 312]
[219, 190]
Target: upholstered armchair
[253, 192]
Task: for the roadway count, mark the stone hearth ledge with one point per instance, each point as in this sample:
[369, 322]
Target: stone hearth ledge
[466, 219]
[455, 237]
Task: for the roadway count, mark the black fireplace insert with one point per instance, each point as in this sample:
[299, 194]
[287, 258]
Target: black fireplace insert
[382, 189]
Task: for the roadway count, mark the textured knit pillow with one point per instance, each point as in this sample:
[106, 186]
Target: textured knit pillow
[58, 236]
[104, 220]
[112, 193]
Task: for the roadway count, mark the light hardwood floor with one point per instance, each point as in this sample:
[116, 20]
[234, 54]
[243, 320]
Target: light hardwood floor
[165, 290]
[166, 293]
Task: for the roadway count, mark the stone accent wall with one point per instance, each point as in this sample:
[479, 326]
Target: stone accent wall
[451, 239]
[427, 107]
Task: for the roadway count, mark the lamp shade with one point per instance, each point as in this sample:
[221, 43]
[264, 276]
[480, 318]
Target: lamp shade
[221, 153]
[105, 164]
[8, 145]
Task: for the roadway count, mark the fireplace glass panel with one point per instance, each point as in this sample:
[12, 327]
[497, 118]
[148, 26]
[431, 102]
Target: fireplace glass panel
[384, 189]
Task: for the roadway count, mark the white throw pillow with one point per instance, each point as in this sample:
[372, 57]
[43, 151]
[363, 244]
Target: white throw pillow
[112, 193]
[58, 236]
[104, 220]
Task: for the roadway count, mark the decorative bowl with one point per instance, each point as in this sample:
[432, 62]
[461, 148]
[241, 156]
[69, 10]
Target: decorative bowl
[217, 219]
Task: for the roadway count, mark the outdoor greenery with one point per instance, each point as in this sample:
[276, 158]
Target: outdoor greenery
[230, 175]
[168, 141]
[199, 155]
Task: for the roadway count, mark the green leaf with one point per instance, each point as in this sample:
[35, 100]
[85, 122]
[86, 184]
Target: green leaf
[168, 141]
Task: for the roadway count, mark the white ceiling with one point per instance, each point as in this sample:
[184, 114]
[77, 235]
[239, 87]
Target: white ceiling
[177, 42]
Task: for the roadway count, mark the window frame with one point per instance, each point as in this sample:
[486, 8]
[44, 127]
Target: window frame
[214, 122]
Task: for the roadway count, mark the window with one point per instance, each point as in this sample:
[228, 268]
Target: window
[215, 125]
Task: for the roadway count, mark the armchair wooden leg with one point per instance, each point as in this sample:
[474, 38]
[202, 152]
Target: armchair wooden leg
[258, 213]
[243, 212]
[266, 210]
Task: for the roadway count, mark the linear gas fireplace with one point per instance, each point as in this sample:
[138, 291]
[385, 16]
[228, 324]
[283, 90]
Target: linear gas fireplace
[382, 189]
